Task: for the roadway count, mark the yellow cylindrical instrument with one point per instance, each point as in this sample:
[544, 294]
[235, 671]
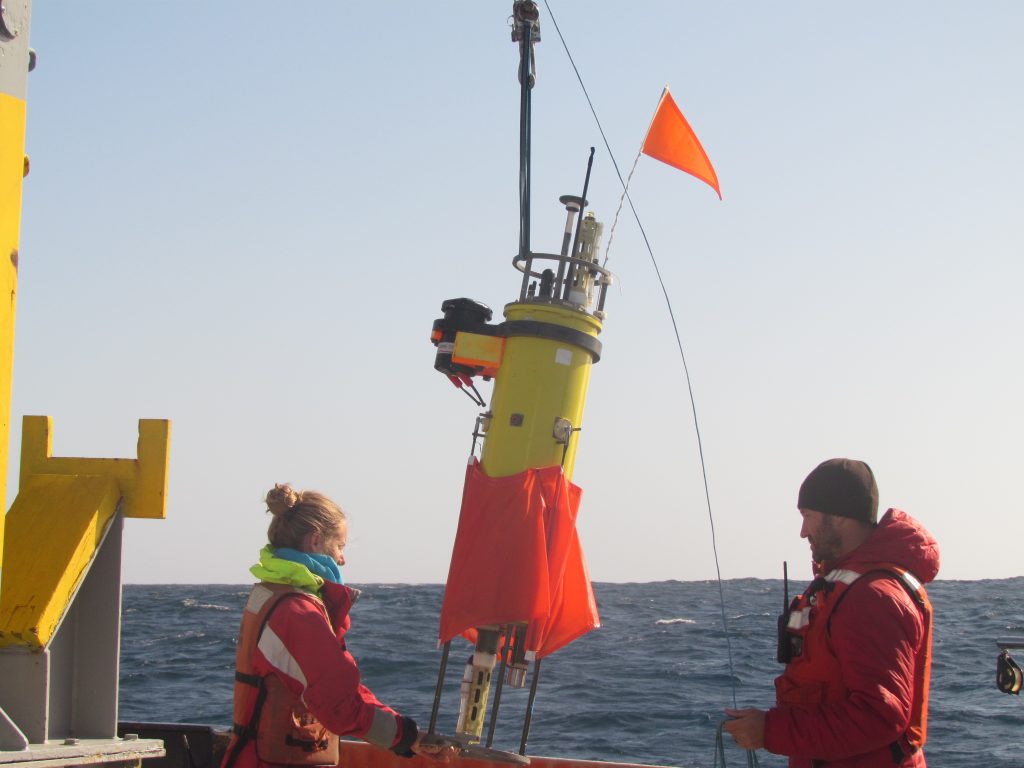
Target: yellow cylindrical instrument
[537, 404]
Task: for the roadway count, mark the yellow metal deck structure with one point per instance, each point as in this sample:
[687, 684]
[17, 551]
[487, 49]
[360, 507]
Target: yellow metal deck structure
[60, 543]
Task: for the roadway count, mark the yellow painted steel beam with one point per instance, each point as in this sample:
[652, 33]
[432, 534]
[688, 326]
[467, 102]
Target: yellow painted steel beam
[58, 520]
[142, 481]
[53, 530]
[12, 169]
[14, 57]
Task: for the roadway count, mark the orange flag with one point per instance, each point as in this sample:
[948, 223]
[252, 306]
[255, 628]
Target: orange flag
[671, 140]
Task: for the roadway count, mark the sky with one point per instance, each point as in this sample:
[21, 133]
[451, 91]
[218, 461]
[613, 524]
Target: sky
[244, 217]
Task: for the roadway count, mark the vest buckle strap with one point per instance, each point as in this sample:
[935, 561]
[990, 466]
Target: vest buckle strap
[254, 680]
[307, 745]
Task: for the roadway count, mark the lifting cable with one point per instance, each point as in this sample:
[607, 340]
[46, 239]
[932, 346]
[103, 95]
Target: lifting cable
[720, 753]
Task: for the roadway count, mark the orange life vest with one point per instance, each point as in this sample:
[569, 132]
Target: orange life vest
[813, 674]
[285, 731]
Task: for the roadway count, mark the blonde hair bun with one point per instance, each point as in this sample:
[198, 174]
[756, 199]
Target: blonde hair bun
[281, 498]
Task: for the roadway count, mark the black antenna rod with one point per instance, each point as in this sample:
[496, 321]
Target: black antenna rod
[573, 268]
[784, 648]
[526, 32]
[785, 586]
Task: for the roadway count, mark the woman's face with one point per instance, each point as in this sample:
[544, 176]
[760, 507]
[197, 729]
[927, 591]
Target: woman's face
[332, 545]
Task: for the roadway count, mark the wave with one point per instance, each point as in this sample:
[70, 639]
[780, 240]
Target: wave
[191, 602]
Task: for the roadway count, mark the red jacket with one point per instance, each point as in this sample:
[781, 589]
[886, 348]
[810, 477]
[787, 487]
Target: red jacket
[877, 636]
[302, 645]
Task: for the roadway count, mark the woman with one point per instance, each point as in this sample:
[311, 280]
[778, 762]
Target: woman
[297, 688]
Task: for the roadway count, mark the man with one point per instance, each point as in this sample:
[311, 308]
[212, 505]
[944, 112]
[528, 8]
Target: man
[857, 643]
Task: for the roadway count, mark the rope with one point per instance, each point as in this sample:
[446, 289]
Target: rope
[682, 357]
[615, 221]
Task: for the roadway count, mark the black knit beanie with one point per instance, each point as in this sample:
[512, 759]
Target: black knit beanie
[843, 487]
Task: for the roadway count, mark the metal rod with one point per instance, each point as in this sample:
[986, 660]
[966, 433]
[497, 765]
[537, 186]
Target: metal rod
[526, 278]
[529, 707]
[579, 223]
[525, 45]
[573, 210]
[497, 691]
[600, 301]
[440, 686]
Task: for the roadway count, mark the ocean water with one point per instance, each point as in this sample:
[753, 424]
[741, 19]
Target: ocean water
[647, 687]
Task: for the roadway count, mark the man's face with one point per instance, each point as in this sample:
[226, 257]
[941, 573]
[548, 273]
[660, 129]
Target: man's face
[821, 533]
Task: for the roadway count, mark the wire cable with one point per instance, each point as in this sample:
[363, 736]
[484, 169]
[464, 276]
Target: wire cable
[720, 751]
[679, 343]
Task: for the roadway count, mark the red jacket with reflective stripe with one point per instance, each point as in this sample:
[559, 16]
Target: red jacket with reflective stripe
[303, 645]
[874, 642]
